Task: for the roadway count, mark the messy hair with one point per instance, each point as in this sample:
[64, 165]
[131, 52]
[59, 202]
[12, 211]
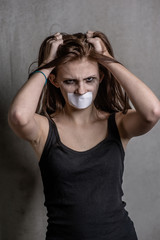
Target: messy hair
[111, 97]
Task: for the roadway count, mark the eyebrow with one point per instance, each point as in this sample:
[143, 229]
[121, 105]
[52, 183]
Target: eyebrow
[65, 78]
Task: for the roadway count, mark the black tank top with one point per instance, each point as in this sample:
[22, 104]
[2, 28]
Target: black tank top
[83, 190]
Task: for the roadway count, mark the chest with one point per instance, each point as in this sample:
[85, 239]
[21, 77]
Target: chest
[83, 138]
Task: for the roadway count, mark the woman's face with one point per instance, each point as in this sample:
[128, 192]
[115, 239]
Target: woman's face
[78, 77]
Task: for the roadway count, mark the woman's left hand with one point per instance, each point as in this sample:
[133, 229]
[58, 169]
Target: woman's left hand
[97, 43]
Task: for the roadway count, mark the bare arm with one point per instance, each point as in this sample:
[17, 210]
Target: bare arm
[25, 102]
[21, 115]
[147, 106]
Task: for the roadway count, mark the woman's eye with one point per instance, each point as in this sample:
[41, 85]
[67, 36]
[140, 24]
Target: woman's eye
[69, 81]
[90, 79]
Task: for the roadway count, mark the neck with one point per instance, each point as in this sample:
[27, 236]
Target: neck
[80, 116]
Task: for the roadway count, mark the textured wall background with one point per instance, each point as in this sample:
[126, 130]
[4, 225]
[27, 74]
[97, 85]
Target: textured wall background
[133, 29]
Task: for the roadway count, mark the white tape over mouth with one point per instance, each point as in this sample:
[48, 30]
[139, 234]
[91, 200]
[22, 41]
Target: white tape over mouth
[80, 101]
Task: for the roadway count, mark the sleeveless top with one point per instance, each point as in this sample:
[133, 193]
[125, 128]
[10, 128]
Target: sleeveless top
[83, 190]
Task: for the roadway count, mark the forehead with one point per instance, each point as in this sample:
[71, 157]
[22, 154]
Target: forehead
[81, 67]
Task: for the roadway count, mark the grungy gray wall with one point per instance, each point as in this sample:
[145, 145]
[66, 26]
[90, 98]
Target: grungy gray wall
[133, 27]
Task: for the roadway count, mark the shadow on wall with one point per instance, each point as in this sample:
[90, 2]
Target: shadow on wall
[18, 182]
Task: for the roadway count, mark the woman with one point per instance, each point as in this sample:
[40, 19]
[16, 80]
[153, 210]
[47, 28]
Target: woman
[79, 124]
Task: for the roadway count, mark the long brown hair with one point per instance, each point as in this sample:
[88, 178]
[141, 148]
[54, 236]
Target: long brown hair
[111, 97]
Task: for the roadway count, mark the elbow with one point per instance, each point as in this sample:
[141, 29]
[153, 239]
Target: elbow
[154, 115]
[157, 113]
[16, 117]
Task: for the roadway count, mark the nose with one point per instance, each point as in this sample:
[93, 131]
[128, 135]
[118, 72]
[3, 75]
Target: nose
[81, 88]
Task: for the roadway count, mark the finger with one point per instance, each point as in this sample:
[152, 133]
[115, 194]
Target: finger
[95, 40]
[50, 40]
[89, 33]
[55, 39]
[59, 37]
[90, 40]
[56, 34]
[60, 41]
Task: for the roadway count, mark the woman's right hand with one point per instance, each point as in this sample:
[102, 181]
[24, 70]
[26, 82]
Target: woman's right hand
[51, 48]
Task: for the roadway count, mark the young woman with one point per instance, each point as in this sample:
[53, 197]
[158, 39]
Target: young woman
[79, 124]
